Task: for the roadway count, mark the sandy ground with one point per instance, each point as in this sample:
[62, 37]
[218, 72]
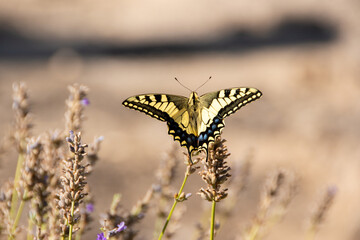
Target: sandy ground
[307, 120]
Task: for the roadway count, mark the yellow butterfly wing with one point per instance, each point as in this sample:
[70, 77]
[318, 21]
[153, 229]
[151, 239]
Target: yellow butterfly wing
[218, 105]
[169, 108]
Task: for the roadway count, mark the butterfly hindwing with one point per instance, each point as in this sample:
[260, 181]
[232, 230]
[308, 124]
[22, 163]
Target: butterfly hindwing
[210, 133]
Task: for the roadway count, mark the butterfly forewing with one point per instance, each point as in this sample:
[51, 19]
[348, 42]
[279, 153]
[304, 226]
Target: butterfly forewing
[227, 101]
[160, 106]
[169, 108]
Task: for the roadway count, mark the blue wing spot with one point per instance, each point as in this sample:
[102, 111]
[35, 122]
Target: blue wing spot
[209, 131]
[201, 138]
[216, 120]
[189, 140]
[205, 136]
[213, 126]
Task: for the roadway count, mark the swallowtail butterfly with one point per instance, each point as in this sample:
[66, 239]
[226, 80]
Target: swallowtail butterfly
[194, 121]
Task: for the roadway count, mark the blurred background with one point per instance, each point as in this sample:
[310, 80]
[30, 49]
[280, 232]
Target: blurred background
[303, 55]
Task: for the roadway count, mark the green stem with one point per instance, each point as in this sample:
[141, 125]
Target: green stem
[30, 228]
[253, 232]
[18, 215]
[15, 197]
[311, 233]
[174, 205]
[71, 224]
[159, 220]
[78, 234]
[212, 226]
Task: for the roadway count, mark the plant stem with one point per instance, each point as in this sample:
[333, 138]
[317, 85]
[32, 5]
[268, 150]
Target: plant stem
[253, 232]
[159, 221]
[174, 205]
[311, 234]
[30, 227]
[212, 224]
[71, 224]
[79, 234]
[15, 197]
[18, 215]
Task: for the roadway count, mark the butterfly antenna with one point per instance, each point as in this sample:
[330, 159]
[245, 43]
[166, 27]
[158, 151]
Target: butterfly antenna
[203, 84]
[183, 85]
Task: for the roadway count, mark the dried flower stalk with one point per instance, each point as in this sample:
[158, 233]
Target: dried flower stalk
[20, 134]
[88, 207]
[35, 180]
[319, 213]
[215, 173]
[73, 183]
[6, 222]
[279, 189]
[53, 153]
[75, 107]
[21, 108]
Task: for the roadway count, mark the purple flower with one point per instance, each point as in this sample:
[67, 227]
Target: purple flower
[101, 236]
[72, 137]
[332, 190]
[120, 227]
[89, 208]
[85, 102]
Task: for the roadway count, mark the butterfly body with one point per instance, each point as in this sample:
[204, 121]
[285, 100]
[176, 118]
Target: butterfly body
[194, 121]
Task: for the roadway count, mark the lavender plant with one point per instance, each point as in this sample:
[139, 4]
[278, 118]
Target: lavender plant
[73, 183]
[51, 178]
[20, 133]
[215, 173]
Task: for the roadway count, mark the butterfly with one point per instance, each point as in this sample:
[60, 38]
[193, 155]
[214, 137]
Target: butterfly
[194, 121]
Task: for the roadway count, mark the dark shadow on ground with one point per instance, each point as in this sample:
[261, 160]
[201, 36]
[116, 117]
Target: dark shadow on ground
[291, 32]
